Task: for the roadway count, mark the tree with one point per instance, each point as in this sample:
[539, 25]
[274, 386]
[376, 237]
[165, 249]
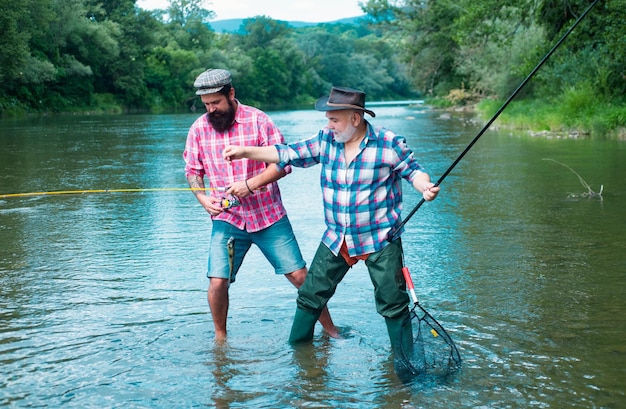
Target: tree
[13, 41]
[259, 32]
[185, 12]
[594, 53]
[187, 24]
[22, 71]
[429, 40]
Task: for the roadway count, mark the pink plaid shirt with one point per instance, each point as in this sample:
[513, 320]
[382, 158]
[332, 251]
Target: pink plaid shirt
[203, 157]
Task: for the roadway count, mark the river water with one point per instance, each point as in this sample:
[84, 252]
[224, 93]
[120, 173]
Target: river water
[103, 295]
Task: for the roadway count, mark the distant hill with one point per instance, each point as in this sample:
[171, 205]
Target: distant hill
[232, 25]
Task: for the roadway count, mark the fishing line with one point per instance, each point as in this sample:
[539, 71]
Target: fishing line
[394, 231]
[88, 191]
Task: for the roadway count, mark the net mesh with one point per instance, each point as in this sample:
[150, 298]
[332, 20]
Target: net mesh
[425, 347]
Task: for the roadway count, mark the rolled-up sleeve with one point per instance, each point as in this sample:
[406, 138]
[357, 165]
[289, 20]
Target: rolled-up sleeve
[302, 154]
[192, 155]
[407, 167]
[283, 156]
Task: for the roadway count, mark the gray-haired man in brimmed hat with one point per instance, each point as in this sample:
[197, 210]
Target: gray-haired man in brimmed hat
[259, 216]
[361, 175]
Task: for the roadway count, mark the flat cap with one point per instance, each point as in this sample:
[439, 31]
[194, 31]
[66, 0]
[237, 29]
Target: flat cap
[211, 81]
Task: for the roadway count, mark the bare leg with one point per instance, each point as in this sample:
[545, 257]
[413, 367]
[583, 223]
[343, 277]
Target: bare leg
[217, 295]
[297, 279]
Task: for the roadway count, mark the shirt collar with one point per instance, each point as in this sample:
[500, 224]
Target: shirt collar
[238, 112]
[369, 133]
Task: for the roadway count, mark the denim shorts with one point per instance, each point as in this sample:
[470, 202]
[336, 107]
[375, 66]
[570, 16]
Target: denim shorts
[277, 243]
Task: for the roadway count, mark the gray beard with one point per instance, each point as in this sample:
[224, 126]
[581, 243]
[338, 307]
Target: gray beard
[344, 136]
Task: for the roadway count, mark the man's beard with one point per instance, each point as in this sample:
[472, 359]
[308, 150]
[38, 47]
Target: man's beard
[346, 135]
[223, 120]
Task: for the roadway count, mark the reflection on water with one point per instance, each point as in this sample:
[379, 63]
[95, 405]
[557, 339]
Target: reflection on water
[103, 296]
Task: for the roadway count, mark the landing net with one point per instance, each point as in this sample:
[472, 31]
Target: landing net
[425, 346]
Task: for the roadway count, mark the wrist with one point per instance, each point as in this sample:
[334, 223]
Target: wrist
[248, 186]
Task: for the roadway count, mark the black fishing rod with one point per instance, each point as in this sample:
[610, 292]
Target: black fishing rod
[394, 231]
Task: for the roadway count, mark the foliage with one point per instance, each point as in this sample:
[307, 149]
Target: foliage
[61, 55]
[77, 54]
[460, 97]
[491, 45]
[458, 49]
[579, 110]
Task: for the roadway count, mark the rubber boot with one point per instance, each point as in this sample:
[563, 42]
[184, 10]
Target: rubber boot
[401, 338]
[303, 326]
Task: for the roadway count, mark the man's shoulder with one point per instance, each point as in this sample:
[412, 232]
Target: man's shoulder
[381, 133]
[200, 121]
[250, 112]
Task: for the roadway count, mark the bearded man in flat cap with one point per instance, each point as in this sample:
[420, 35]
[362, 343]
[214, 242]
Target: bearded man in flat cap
[243, 198]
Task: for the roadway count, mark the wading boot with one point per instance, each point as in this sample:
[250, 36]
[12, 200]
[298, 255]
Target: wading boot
[303, 326]
[401, 338]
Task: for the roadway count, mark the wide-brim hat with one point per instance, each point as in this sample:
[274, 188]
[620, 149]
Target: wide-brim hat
[343, 98]
[211, 81]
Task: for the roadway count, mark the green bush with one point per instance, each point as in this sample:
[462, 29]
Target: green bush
[578, 108]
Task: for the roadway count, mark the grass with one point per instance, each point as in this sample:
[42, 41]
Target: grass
[577, 110]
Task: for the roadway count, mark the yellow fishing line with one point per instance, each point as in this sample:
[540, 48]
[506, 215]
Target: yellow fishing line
[88, 191]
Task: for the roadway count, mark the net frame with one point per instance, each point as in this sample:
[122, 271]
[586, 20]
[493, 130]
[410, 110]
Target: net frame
[429, 349]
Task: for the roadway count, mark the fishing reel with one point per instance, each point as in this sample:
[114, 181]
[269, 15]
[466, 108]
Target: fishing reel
[230, 201]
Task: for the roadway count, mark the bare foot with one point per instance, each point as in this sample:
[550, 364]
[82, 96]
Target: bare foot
[333, 333]
[220, 337]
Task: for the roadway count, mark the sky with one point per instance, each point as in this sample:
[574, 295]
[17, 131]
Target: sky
[312, 11]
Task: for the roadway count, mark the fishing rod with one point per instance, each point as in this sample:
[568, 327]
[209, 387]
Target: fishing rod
[88, 191]
[394, 231]
[227, 202]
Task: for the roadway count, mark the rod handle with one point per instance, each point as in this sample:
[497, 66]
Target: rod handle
[409, 283]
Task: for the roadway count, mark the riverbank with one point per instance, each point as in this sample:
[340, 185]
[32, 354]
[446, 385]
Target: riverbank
[567, 117]
[572, 116]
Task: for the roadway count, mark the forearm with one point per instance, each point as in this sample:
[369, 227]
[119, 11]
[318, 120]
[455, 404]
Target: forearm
[422, 184]
[268, 154]
[421, 181]
[271, 174]
[196, 183]
[210, 203]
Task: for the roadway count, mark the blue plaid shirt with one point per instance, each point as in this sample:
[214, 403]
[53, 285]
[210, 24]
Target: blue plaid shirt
[363, 199]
